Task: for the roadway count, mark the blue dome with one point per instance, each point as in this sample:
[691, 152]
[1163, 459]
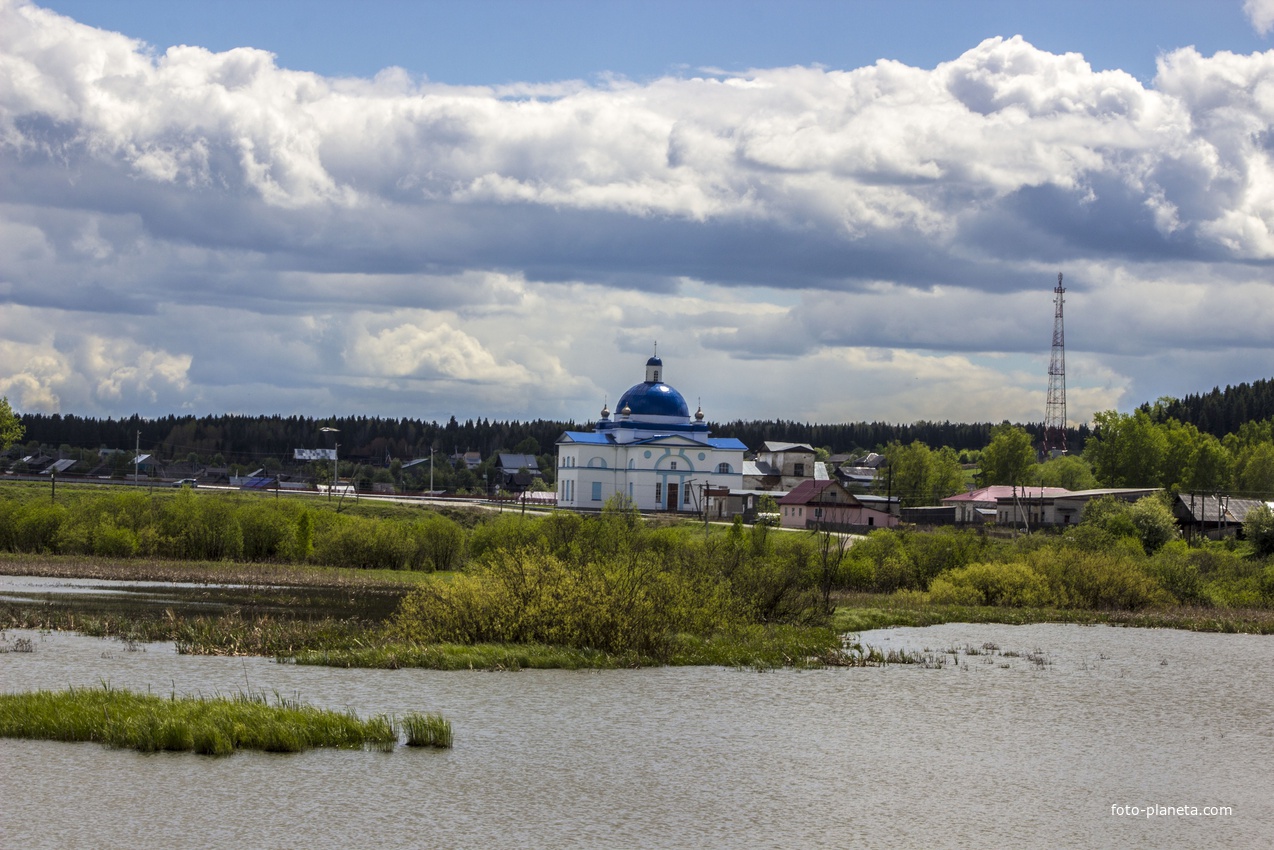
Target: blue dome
[654, 361]
[654, 399]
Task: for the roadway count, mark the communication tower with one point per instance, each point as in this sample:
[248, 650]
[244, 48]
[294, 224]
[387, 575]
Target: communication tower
[1055, 405]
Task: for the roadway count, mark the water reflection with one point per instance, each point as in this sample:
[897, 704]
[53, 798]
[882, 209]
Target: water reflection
[989, 750]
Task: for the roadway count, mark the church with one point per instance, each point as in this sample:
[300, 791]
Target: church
[653, 452]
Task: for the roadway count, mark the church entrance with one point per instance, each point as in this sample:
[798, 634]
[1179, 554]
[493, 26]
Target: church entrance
[672, 497]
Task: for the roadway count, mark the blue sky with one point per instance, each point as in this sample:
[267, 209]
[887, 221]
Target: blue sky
[492, 42]
[822, 211]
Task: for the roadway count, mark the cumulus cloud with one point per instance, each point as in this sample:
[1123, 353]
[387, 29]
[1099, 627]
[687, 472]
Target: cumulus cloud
[1261, 14]
[209, 231]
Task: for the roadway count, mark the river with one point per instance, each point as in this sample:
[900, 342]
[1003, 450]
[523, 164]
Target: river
[1014, 736]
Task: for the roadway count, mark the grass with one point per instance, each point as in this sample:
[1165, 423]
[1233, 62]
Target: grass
[427, 730]
[211, 572]
[865, 611]
[206, 725]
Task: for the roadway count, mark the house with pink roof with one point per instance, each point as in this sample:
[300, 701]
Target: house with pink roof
[980, 505]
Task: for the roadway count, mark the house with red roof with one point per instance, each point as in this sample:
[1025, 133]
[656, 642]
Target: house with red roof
[828, 505]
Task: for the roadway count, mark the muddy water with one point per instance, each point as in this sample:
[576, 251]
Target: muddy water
[1029, 741]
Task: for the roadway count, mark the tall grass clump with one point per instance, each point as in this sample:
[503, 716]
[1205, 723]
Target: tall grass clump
[206, 725]
[427, 730]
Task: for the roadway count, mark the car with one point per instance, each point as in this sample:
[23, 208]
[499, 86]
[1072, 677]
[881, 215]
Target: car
[187, 482]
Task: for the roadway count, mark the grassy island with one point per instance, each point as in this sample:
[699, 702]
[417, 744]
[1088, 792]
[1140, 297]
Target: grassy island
[206, 725]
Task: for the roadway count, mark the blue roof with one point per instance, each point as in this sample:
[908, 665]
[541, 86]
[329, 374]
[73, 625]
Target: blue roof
[584, 437]
[726, 443]
[654, 398]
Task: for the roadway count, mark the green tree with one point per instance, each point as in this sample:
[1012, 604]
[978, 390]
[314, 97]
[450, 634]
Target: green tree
[1069, 471]
[1126, 450]
[1154, 522]
[1009, 456]
[922, 476]
[1258, 528]
[10, 428]
[1254, 470]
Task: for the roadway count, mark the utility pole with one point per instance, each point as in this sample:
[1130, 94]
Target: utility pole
[137, 457]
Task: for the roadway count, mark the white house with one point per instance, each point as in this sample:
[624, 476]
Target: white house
[653, 452]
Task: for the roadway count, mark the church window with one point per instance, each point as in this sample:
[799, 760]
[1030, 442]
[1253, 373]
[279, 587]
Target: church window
[724, 469]
[673, 465]
[597, 491]
[659, 491]
[685, 498]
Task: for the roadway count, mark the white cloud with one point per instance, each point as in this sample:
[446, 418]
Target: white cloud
[199, 230]
[1261, 14]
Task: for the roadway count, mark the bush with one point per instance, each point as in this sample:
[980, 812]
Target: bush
[360, 543]
[1174, 569]
[1082, 579]
[1013, 585]
[1258, 529]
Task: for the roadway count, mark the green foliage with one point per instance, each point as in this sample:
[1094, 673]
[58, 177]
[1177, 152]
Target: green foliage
[1258, 530]
[922, 476]
[612, 583]
[1084, 579]
[1013, 584]
[1008, 457]
[1111, 515]
[11, 429]
[1069, 471]
[1154, 522]
[1126, 450]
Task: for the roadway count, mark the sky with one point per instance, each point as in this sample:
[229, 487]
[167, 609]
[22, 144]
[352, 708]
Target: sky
[819, 211]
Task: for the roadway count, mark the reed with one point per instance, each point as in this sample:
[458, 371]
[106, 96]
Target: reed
[427, 730]
[206, 725]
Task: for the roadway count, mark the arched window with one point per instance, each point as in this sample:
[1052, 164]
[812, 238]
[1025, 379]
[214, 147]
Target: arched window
[724, 469]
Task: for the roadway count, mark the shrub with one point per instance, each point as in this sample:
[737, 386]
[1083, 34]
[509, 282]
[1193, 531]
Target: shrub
[439, 543]
[1082, 579]
[1176, 572]
[1014, 585]
[1258, 529]
[361, 543]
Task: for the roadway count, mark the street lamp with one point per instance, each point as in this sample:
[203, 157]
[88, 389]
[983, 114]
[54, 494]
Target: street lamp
[335, 462]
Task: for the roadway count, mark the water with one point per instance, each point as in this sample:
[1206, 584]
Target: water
[990, 750]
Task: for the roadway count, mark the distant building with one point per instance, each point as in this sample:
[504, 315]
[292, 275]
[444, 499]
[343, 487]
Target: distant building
[782, 466]
[980, 505]
[828, 505]
[652, 452]
[516, 471]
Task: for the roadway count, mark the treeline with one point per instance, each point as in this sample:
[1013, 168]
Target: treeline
[244, 439]
[874, 436]
[1219, 412]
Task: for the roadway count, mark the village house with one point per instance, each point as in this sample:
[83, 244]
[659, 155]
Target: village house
[827, 505]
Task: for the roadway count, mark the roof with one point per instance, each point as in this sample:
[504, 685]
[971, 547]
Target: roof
[509, 460]
[1204, 509]
[776, 446]
[653, 398]
[806, 492]
[1007, 491]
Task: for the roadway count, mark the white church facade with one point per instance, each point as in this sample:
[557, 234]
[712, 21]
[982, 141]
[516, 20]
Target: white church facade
[653, 452]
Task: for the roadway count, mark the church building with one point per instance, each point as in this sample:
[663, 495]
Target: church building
[653, 452]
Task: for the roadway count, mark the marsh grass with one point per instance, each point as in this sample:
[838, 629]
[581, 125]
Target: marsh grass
[427, 730]
[859, 612]
[206, 725]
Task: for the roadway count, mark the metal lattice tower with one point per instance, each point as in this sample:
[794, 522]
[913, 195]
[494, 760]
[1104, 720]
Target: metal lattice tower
[1055, 406]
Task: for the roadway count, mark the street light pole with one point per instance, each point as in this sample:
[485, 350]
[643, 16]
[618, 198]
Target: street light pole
[431, 471]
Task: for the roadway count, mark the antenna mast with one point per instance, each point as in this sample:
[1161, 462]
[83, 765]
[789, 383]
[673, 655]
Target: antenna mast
[1055, 406]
